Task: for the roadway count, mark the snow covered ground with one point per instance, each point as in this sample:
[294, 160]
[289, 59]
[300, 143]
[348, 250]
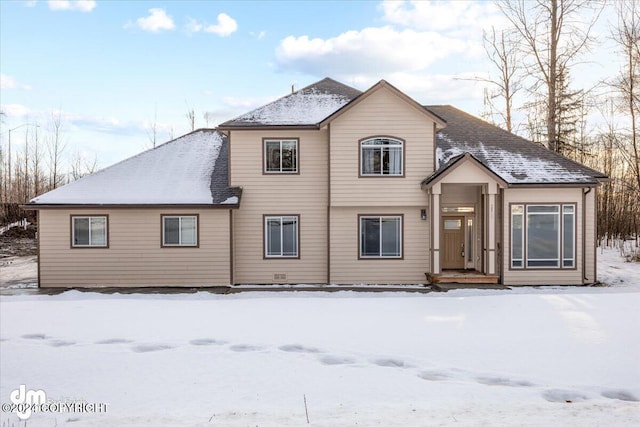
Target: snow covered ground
[546, 356]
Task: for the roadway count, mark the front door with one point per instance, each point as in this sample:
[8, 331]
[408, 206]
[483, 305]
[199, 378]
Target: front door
[453, 242]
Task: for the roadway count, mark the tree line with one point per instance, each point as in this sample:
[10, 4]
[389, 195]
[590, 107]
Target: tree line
[532, 63]
[36, 164]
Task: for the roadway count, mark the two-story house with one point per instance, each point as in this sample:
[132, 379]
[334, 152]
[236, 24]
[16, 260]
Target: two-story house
[327, 185]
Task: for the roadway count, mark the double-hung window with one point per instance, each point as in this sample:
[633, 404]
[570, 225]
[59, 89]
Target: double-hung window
[280, 156]
[180, 230]
[381, 157]
[281, 236]
[543, 236]
[89, 231]
[380, 236]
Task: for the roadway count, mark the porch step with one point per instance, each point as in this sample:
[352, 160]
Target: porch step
[463, 278]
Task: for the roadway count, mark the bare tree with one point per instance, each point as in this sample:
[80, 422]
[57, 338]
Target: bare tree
[36, 164]
[627, 36]
[55, 149]
[553, 34]
[191, 116]
[81, 166]
[208, 118]
[502, 51]
[152, 132]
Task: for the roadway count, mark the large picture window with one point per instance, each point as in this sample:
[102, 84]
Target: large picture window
[380, 236]
[180, 230]
[280, 155]
[89, 231]
[381, 157]
[543, 236]
[281, 236]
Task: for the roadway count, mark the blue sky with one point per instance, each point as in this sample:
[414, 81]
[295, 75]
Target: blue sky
[114, 67]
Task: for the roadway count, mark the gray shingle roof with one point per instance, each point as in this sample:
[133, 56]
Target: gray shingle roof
[305, 107]
[220, 190]
[515, 159]
[189, 170]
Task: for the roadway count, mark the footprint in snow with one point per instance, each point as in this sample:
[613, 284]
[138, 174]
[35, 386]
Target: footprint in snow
[434, 375]
[35, 336]
[297, 348]
[207, 341]
[503, 381]
[336, 360]
[61, 343]
[245, 347]
[146, 348]
[114, 341]
[390, 363]
[620, 395]
[563, 396]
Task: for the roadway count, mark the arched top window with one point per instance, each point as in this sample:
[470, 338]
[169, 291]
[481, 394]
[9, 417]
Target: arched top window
[381, 156]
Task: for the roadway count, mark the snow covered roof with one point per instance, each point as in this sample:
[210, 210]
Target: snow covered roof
[305, 107]
[514, 159]
[189, 170]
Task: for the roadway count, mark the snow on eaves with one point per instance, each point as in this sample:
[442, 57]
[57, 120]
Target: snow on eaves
[178, 172]
[301, 108]
[513, 167]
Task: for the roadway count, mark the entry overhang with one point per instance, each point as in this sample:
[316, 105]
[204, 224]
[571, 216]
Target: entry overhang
[464, 169]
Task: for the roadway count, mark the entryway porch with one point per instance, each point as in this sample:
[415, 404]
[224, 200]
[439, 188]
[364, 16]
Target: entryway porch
[463, 277]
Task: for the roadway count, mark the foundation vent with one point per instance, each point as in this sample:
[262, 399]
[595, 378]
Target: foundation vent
[279, 277]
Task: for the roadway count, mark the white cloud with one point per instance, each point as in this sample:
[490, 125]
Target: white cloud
[260, 35]
[193, 26]
[462, 18]
[377, 50]
[15, 110]
[7, 82]
[225, 26]
[80, 5]
[157, 20]
[30, 3]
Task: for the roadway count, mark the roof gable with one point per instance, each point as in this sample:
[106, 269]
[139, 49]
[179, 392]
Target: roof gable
[189, 170]
[384, 85]
[463, 162]
[305, 107]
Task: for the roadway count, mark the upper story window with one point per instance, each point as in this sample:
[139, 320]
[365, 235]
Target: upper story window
[381, 156]
[280, 156]
[89, 231]
[180, 230]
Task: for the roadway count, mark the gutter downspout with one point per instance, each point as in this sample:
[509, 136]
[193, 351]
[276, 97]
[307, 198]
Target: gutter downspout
[329, 204]
[584, 235]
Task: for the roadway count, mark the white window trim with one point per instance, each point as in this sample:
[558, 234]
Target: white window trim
[180, 244]
[281, 218]
[280, 171]
[525, 237]
[90, 218]
[380, 217]
[396, 142]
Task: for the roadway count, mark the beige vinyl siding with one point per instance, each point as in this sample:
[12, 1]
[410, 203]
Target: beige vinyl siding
[553, 276]
[134, 256]
[590, 237]
[346, 268]
[303, 194]
[381, 114]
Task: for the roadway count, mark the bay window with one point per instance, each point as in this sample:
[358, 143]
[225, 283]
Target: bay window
[543, 236]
